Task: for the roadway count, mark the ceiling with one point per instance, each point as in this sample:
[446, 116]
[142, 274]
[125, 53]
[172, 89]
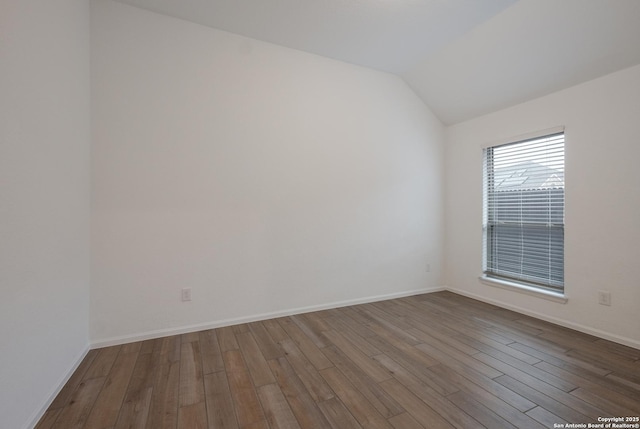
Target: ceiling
[464, 58]
[531, 49]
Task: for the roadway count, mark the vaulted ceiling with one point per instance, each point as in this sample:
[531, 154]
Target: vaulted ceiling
[464, 58]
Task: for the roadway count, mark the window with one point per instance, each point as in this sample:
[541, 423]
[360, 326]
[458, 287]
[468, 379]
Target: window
[523, 219]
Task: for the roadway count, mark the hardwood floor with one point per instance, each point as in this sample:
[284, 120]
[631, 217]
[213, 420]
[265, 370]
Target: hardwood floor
[438, 360]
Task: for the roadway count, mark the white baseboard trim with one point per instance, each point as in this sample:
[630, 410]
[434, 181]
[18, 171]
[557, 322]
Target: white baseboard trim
[113, 341]
[35, 418]
[562, 322]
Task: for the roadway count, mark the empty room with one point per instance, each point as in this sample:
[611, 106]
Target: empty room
[319, 214]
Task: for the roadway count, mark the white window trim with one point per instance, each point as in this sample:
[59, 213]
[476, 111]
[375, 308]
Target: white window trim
[523, 288]
[516, 286]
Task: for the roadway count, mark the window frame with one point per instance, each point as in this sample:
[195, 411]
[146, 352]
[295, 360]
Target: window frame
[556, 291]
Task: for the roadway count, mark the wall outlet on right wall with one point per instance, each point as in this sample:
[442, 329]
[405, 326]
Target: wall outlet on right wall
[604, 297]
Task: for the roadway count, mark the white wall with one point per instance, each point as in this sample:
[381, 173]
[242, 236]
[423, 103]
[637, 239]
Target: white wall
[266, 179]
[602, 237]
[44, 201]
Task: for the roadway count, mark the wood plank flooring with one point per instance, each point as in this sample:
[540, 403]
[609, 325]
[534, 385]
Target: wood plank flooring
[437, 360]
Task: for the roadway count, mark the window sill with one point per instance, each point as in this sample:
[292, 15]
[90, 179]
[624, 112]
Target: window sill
[529, 290]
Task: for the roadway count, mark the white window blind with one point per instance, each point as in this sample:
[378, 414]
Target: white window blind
[524, 212]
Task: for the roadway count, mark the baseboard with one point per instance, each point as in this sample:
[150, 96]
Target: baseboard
[253, 318]
[56, 390]
[562, 322]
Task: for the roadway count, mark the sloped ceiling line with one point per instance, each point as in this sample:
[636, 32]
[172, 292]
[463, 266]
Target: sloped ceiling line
[464, 58]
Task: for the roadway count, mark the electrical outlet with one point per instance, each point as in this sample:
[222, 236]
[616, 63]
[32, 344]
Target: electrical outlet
[186, 294]
[604, 297]
[428, 268]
